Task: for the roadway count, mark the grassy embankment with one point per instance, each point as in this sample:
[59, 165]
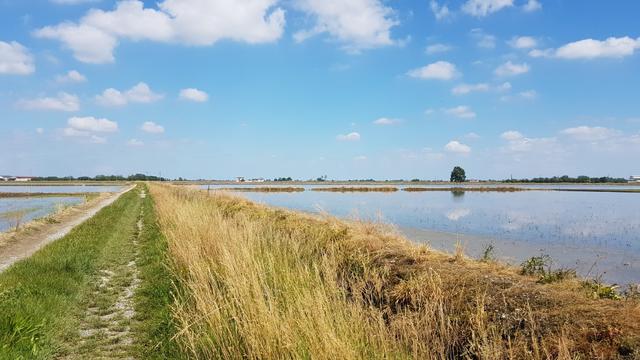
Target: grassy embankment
[257, 282]
[65, 300]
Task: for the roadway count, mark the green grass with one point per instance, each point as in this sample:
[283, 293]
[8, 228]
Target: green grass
[42, 298]
[155, 296]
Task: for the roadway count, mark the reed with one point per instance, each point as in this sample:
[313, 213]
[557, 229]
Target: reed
[255, 282]
[357, 189]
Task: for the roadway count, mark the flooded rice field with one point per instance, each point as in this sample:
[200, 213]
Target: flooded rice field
[597, 233]
[58, 188]
[15, 211]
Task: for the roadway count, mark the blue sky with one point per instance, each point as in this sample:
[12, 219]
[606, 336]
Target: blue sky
[304, 88]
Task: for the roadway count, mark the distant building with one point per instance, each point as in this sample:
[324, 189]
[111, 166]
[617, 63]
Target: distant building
[240, 179]
[23, 178]
[635, 178]
[7, 178]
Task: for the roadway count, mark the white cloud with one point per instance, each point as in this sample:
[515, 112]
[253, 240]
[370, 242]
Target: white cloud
[529, 94]
[472, 136]
[438, 48]
[354, 136]
[194, 22]
[140, 93]
[588, 133]
[511, 69]
[532, 5]
[360, 158]
[357, 24]
[441, 12]
[63, 102]
[483, 40]
[87, 124]
[440, 70]
[481, 8]
[97, 139]
[71, 76]
[506, 86]
[588, 49]
[192, 94]
[518, 143]
[463, 112]
[15, 59]
[523, 42]
[591, 49]
[512, 135]
[457, 147]
[135, 143]
[386, 121]
[464, 89]
[72, 2]
[40, 131]
[152, 128]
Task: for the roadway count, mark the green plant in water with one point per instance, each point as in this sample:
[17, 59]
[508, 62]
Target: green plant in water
[488, 254]
[598, 290]
[541, 266]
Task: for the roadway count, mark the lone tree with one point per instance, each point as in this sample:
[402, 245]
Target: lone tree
[458, 175]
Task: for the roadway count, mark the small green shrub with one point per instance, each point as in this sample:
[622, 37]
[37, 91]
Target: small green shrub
[488, 254]
[541, 266]
[598, 290]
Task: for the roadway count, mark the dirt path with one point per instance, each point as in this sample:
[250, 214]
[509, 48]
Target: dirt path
[107, 315]
[15, 247]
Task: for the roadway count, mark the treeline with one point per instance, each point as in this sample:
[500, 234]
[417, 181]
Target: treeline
[568, 179]
[135, 177]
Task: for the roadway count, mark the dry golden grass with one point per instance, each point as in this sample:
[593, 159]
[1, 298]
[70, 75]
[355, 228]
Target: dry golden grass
[260, 283]
[357, 189]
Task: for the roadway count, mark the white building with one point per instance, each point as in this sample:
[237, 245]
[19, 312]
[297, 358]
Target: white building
[635, 178]
[22, 178]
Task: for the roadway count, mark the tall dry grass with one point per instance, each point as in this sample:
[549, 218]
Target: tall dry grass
[261, 283]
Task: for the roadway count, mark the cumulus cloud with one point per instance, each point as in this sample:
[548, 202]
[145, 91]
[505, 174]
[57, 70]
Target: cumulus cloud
[462, 112]
[71, 76]
[523, 42]
[140, 93]
[457, 147]
[357, 24]
[95, 36]
[386, 121]
[135, 143]
[518, 143]
[532, 5]
[88, 124]
[62, 102]
[39, 131]
[440, 70]
[72, 2]
[511, 69]
[438, 48]
[588, 49]
[354, 136]
[588, 133]
[152, 128]
[481, 8]
[483, 40]
[195, 95]
[15, 59]
[464, 89]
[441, 12]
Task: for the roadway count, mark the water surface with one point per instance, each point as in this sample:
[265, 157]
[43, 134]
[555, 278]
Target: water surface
[596, 233]
[58, 189]
[13, 210]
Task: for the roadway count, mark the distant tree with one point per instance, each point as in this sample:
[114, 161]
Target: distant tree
[458, 174]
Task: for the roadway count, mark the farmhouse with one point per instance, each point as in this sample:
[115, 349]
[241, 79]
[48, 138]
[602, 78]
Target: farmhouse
[23, 178]
[635, 178]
